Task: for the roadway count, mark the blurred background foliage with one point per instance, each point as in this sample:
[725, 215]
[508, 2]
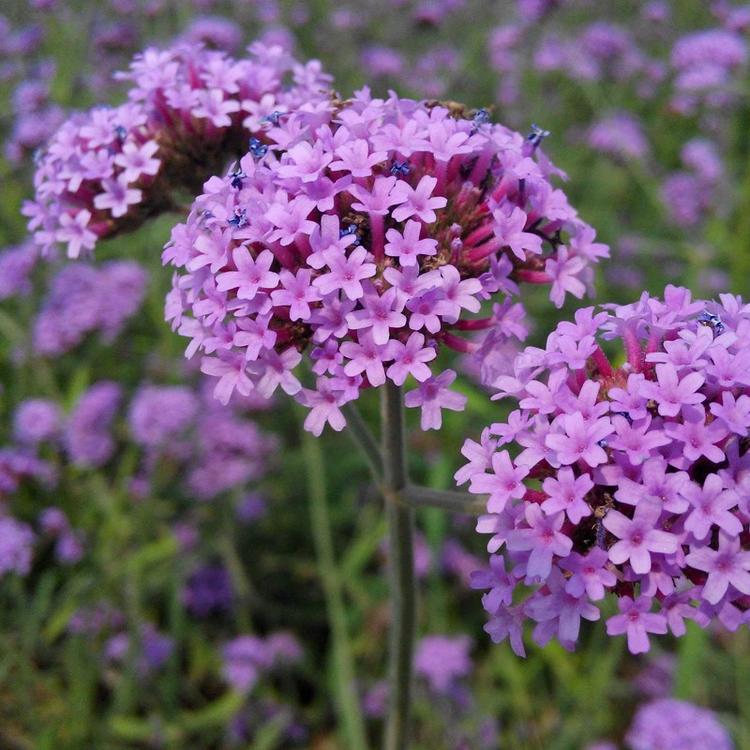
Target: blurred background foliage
[299, 535]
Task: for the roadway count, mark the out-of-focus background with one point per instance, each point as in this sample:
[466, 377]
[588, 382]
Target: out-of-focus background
[178, 574]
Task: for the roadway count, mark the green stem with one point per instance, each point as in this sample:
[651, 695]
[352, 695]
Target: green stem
[451, 500]
[401, 570]
[343, 669]
[364, 439]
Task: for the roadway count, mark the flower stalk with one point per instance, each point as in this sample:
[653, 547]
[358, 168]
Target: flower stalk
[401, 559]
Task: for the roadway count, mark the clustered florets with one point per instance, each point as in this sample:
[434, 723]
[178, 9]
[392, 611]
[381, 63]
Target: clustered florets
[630, 479]
[365, 232]
[109, 169]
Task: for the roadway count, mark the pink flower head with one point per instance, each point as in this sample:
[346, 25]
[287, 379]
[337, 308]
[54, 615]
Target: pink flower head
[120, 165]
[628, 481]
[369, 234]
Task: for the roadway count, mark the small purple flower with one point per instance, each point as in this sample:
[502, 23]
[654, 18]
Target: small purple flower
[636, 621]
[670, 724]
[432, 396]
[442, 660]
[37, 420]
[543, 538]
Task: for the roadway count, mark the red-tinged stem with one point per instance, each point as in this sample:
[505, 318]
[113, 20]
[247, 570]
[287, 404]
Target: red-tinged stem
[480, 168]
[483, 251]
[534, 496]
[377, 235]
[533, 277]
[633, 349]
[458, 344]
[441, 170]
[401, 570]
[478, 324]
[602, 362]
[479, 235]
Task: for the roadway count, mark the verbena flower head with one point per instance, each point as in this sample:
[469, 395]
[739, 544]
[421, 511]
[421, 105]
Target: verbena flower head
[16, 546]
[36, 420]
[704, 62]
[670, 724]
[190, 109]
[368, 233]
[84, 298]
[629, 479]
[443, 660]
[88, 432]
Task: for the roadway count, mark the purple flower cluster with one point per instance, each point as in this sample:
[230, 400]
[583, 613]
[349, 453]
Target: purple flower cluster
[36, 420]
[704, 63]
[88, 432]
[35, 118]
[442, 661]
[365, 232]
[17, 464]
[83, 298]
[247, 657]
[16, 264]
[670, 724]
[620, 135]
[68, 545]
[153, 648]
[16, 546]
[690, 194]
[109, 169]
[629, 479]
[600, 51]
[208, 590]
[218, 448]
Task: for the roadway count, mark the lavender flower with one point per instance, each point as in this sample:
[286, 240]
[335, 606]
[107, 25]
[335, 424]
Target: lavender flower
[442, 661]
[670, 724]
[368, 244]
[16, 546]
[36, 420]
[88, 439]
[82, 299]
[109, 169]
[208, 590]
[625, 479]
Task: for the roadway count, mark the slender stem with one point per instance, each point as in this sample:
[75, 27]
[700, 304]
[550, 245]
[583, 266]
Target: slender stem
[365, 440]
[401, 570]
[451, 500]
[343, 668]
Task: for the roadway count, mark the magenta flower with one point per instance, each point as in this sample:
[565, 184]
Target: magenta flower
[590, 574]
[346, 273]
[710, 506]
[407, 246]
[410, 359]
[672, 393]
[638, 537]
[579, 439]
[727, 566]
[325, 404]
[543, 538]
[117, 166]
[297, 292]
[433, 395]
[251, 274]
[417, 201]
[567, 492]
[380, 313]
[509, 231]
[505, 482]
[636, 621]
[74, 232]
[369, 231]
[628, 481]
